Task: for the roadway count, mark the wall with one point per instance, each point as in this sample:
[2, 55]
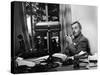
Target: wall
[87, 16]
[17, 26]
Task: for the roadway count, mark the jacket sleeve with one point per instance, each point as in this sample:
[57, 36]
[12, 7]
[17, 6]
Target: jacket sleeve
[81, 46]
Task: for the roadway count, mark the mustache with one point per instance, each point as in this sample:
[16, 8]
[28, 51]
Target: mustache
[74, 33]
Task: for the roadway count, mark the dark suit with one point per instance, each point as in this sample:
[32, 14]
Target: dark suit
[80, 43]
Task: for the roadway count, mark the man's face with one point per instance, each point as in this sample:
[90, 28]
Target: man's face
[76, 29]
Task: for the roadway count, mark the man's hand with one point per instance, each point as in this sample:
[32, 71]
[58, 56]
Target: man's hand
[69, 39]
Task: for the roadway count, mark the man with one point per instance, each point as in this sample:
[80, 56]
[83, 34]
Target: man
[78, 45]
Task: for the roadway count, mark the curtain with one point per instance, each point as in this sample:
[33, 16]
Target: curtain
[65, 21]
[24, 26]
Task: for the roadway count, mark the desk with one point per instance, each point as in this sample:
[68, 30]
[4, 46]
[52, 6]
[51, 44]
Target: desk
[40, 65]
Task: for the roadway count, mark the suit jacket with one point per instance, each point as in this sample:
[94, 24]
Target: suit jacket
[79, 44]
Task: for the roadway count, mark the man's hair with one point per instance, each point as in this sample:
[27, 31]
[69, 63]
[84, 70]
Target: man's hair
[77, 23]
